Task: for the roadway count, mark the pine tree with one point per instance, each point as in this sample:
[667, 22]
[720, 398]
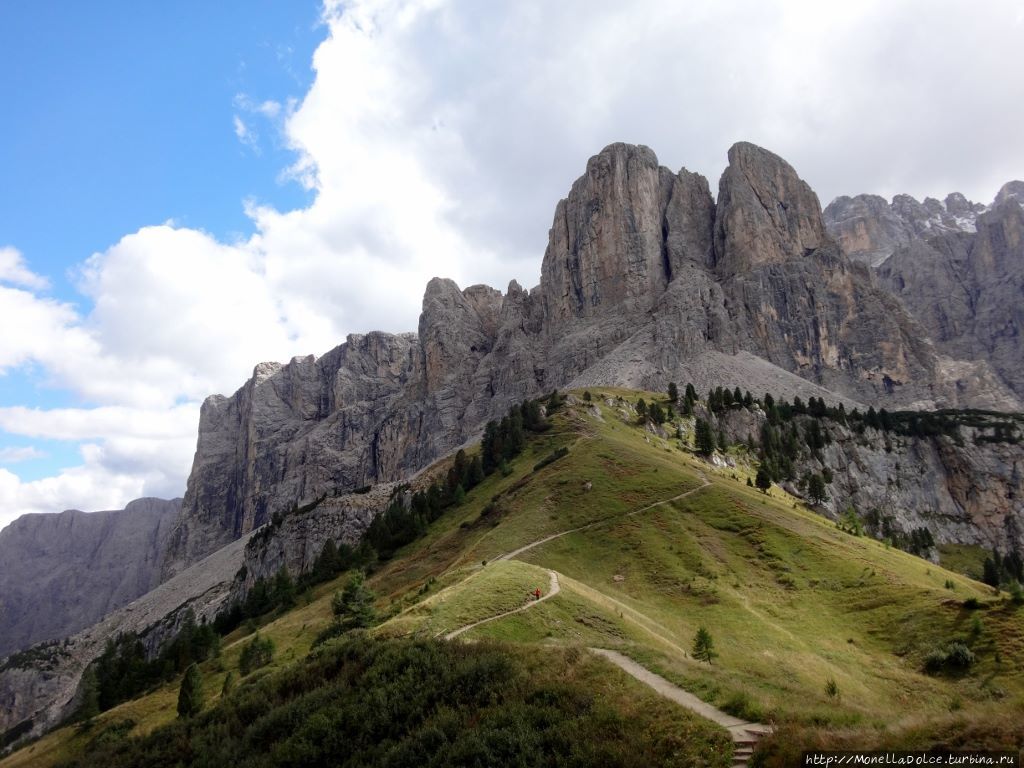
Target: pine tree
[656, 414]
[475, 475]
[673, 392]
[229, 684]
[90, 706]
[284, 588]
[459, 496]
[703, 646]
[354, 605]
[327, 564]
[641, 409]
[704, 437]
[257, 653]
[816, 489]
[691, 393]
[190, 696]
[763, 479]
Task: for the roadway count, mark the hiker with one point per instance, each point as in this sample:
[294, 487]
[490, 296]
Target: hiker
[536, 594]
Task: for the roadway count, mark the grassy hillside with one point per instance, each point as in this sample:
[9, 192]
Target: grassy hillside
[821, 632]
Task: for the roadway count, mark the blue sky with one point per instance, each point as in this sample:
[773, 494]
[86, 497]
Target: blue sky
[120, 114]
[191, 188]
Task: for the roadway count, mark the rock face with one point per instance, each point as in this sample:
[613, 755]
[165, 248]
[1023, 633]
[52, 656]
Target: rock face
[966, 491]
[966, 289]
[644, 280]
[62, 572]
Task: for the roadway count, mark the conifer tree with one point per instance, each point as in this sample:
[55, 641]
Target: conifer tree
[190, 695]
[703, 646]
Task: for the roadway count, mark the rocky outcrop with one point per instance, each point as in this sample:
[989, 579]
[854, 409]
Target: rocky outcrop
[62, 572]
[965, 289]
[644, 280]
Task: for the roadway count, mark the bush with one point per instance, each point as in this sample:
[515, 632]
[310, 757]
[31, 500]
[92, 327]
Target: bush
[972, 604]
[954, 657]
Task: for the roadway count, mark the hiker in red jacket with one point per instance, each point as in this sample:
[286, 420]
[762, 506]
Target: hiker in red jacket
[536, 594]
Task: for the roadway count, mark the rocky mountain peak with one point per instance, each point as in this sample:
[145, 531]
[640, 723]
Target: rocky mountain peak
[766, 213]
[1011, 190]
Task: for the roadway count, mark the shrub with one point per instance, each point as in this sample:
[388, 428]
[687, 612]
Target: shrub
[972, 604]
[954, 657]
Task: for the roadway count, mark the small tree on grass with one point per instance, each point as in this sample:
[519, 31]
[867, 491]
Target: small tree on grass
[641, 409]
[673, 392]
[257, 653]
[763, 480]
[816, 489]
[190, 696]
[353, 606]
[703, 646]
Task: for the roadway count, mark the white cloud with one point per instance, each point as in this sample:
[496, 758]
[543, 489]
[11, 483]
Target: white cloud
[14, 271]
[246, 135]
[437, 137]
[17, 454]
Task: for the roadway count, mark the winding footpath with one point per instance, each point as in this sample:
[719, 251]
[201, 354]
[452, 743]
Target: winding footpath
[745, 735]
[553, 590]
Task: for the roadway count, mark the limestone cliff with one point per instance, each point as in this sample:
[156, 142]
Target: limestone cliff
[62, 572]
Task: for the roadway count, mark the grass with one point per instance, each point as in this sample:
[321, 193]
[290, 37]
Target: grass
[791, 601]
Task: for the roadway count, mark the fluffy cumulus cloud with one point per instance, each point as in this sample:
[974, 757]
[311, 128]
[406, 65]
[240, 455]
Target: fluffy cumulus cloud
[436, 138]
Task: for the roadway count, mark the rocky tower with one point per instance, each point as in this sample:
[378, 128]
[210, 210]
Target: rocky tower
[644, 280]
[766, 213]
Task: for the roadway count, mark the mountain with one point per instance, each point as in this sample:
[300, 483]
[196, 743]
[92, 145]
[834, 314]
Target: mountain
[62, 572]
[645, 279]
[869, 229]
[967, 290]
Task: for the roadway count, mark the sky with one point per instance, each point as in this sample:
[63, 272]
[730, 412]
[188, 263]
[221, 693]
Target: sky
[190, 188]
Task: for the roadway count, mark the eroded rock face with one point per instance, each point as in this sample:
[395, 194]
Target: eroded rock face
[62, 572]
[644, 280]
